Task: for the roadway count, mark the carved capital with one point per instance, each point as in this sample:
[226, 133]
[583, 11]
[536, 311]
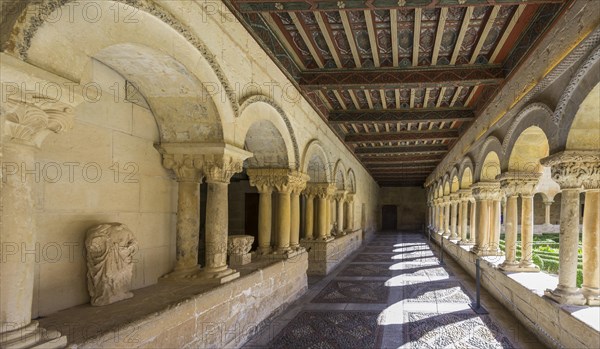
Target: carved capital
[515, 183]
[486, 191]
[187, 167]
[320, 190]
[454, 198]
[239, 244]
[575, 168]
[219, 168]
[350, 197]
[340, 195]
[29, 122]
[465, 194]
[282, 179]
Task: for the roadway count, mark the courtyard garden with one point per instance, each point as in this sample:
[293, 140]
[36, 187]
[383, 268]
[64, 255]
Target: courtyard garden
[545, 254]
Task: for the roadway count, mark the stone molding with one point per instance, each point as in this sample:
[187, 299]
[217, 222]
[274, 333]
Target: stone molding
[29, 122]
[515, 183]
[572, 169]
[486, 191]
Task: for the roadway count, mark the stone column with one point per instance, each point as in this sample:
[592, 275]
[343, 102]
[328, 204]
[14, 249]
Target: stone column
[218, 168]
[283, 220]
[440, 216]
[495, 225]
[322, 217]
[526, 188]
[547, 206]
[465, 194]
[350, 217]
[453, 215]
[339, 198]
[472, 221]
[459, 219]
[591, 242]
[484, 194]
[569, 170]
[262, 180]
[446, 228]
[24, 126]
[187, 169]
[309, 217]
[297, 183]
[508, 185]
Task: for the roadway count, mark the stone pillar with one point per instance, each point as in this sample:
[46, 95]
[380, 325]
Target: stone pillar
[350, 216]
[459, 219]
[187, 169]
[570, 169]
[547, 206]
[283, 220]
[440, 224]
[527, 192]
[295, 218]
[262, 179]
[322, 217]
[495, 226]
[24, 126]
[510, 231]
[484, 194]
[218, 168]
[339, 198]
[465, 194]
[446, 227]
[453, 215]
[591, 243]
[472, 221]
[309, 217]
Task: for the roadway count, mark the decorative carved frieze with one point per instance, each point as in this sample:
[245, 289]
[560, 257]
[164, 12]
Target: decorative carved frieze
[515, 183]
[486, 191]
[29, 122]
[575, 168]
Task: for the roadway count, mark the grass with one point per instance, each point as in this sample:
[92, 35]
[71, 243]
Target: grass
[545, 254]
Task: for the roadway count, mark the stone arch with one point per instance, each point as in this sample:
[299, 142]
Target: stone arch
[38, 32]
[446, 184]
[488, 163]
[315, 162]
[351, 181]
[526, 151]
[340, 175]
[536, 114]
[465, 172]
[583, 82]
[259, 108]
[440, 189]
[585, 127]
[267, 144]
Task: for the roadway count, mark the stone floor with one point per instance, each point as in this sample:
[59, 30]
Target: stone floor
[393, 293]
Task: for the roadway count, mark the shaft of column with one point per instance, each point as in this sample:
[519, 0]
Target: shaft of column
[495, 228]
[217, 217]
[322, 218]
[547, 206]
[453, 214]
[188, 228]
[591, 250]
[459, 220]
[447, 231]
[527, 234]
[295, 220]
[473, 222]
[482, 219]
[283, 222]
[464, 204]
[17, 235]
[510, 231]
[264, 220]
[310, 212]
[340, 215]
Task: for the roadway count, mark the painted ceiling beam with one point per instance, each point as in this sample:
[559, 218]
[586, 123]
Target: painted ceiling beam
[402, 136]
[439, 149]
[402, 78]
[417, 115]
[249, 6]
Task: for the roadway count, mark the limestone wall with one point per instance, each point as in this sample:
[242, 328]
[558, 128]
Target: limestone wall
[411, 205]
[323, 257]
[554, 325]
[105, 169]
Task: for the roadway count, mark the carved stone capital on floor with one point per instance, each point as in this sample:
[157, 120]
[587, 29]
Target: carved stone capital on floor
[29, 122]
[486, 191]
[238, 248]
[515, 183]
[575, 168]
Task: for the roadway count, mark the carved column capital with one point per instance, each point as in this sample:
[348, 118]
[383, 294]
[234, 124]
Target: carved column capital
[282, 179]
[321, 190]
[29, 122]
[515, 183]
[187, 167]
[350, 197]
[575, 168]
[486, 191]
[340, 195]
[465, 194]
[454, 198]
[219, 168]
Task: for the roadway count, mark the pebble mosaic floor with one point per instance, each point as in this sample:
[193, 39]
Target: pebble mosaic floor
[393, 293]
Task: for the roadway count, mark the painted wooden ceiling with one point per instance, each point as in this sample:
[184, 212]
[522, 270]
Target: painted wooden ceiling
[398, 81]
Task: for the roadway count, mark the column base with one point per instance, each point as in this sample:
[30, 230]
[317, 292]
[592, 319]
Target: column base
[466, 243]
[592, 295]
[325, 238]
[217, 276]
[261, 251]
[288, 254]
[528, 267]
[509, 266]
[566, 296]
[183, 273]
[32, 336]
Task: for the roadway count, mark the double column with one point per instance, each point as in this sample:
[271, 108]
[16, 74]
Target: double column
[463, 213]
[514, 184]
[217, 163]
[25, 125]
[349, 225]
[454, 201]
[318, 198]
[573, 170]
[339, 197]
[487, 198]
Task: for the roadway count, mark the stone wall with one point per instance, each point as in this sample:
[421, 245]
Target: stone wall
[555, 325]
[411, 203]
[323, 257]
[105, 169]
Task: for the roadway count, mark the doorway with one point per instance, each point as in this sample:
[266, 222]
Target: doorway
[389, 217]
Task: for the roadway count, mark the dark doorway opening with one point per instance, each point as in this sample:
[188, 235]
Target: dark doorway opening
[389, 217]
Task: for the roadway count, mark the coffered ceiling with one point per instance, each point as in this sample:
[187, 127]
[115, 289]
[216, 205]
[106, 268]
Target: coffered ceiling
[398, 81]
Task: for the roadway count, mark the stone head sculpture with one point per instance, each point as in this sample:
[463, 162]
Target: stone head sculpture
[110, 248]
